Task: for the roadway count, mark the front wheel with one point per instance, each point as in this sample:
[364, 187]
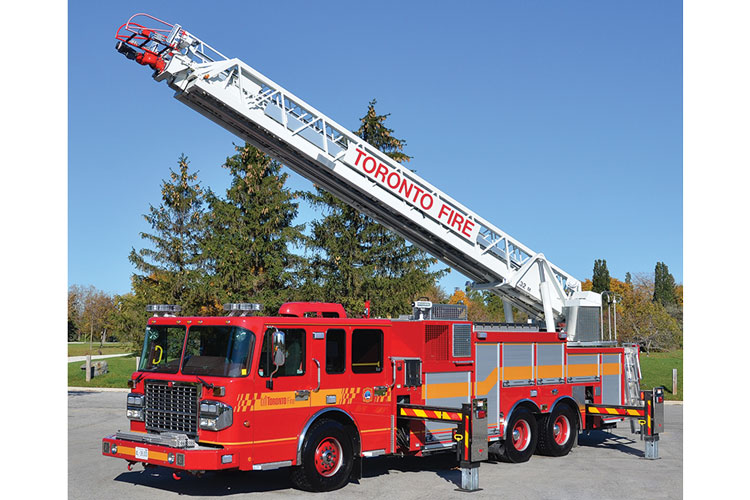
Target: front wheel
[558, 432]
[520, 438]
[327, 458]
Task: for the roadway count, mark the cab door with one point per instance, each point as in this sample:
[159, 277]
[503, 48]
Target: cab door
[281, 405]
[355, 376]
[370, 394]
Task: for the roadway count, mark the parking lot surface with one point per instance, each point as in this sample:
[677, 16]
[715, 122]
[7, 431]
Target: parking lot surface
[605, 465]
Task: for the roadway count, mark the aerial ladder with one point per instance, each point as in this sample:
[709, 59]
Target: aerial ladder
[266, 115]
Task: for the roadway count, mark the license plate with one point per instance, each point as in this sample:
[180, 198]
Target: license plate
[141, 453]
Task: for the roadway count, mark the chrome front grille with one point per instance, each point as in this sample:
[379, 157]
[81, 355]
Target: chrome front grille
[172, 407]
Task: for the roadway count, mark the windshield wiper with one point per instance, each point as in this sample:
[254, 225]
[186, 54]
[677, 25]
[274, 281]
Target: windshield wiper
[205, 384]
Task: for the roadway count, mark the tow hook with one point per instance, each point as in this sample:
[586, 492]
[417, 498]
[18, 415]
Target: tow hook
[130, 465]
[175, 476]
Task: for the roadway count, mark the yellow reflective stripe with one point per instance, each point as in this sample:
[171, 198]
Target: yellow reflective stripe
[549, 371]
[611, 369]
[250, 442]
[447, 390]
[518, 373]
[483, 387]
[156, 455]
[583, 370]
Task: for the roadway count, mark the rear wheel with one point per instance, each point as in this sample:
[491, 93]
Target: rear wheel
[327, 458]
[558, 432]
[521, 437]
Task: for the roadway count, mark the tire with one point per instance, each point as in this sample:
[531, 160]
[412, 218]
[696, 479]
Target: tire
[521, 437]
[558, 432]
[327, 458]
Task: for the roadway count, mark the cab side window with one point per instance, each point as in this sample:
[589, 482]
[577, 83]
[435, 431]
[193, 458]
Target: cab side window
[335, 351]
[367, 351]
[295, 354]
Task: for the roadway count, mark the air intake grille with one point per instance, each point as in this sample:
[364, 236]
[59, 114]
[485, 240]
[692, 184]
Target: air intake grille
[461, 341]
[173, 409]
[436, 342]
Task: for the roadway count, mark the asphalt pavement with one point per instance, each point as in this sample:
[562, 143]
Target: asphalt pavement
[605, 465]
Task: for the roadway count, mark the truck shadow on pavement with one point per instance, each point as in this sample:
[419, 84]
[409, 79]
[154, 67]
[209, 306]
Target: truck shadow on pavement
[607, 440]
[217, 484]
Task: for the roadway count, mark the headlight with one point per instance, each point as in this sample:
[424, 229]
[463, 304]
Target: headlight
[135, 406]
[215, 415]
[135, 399]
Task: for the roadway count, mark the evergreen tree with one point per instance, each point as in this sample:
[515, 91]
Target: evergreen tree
[628, 279]
[600, 278]
[355, 258]
[172, 266]
[664, 285]
[249, 234]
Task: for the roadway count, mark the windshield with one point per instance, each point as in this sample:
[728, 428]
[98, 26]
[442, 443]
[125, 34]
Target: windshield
[222, 351]
[162, 349]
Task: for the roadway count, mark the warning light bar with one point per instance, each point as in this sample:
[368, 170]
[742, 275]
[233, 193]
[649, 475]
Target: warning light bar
[163, 309]
[242, 308]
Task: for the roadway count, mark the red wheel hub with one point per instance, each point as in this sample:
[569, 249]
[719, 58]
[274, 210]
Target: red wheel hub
[521, 435]
[328, 459]
[561, 430]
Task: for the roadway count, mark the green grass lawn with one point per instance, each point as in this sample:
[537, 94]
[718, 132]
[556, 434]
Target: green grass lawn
[657, 371]
[113, 348]
[120, 370]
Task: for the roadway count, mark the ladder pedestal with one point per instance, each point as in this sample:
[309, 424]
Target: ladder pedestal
[469, 477]
[652, 447]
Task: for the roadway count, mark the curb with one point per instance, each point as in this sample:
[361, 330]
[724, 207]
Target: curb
[97, 389]
[77, 359]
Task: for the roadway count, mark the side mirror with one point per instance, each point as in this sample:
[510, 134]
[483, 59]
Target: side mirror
[279, 357]
[279, 342]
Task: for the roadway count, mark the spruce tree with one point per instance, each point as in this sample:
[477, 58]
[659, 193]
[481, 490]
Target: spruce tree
[355, 258]
[249, 233]
[600, 279]
[172, 265]
[664, 285]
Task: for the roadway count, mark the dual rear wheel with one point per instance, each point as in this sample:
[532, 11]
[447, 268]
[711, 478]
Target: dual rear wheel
[552, 435]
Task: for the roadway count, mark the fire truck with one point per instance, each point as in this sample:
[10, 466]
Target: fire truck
[319, 390]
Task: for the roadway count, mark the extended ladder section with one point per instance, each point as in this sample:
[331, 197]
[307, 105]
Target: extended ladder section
[261, 112]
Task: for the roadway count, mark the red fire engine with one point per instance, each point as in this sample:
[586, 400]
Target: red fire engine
[319, 391]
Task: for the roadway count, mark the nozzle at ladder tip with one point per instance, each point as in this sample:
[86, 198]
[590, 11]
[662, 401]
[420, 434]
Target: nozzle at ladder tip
[126, 50]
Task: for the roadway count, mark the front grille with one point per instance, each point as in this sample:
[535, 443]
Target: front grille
[173, 409]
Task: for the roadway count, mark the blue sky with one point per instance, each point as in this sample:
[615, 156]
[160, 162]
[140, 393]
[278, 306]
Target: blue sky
[559, 122]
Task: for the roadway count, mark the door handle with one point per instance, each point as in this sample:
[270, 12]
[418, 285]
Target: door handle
[303, 395]
[317, 363]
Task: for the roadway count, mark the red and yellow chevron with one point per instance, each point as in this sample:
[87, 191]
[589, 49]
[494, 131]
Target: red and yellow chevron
[626, 412]
[430, 414]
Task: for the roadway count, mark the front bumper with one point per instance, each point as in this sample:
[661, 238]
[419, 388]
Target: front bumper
[183, 455]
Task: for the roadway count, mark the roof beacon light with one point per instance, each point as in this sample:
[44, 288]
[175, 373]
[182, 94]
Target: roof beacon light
[242, 308]
[163, 309]
[423, 306]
